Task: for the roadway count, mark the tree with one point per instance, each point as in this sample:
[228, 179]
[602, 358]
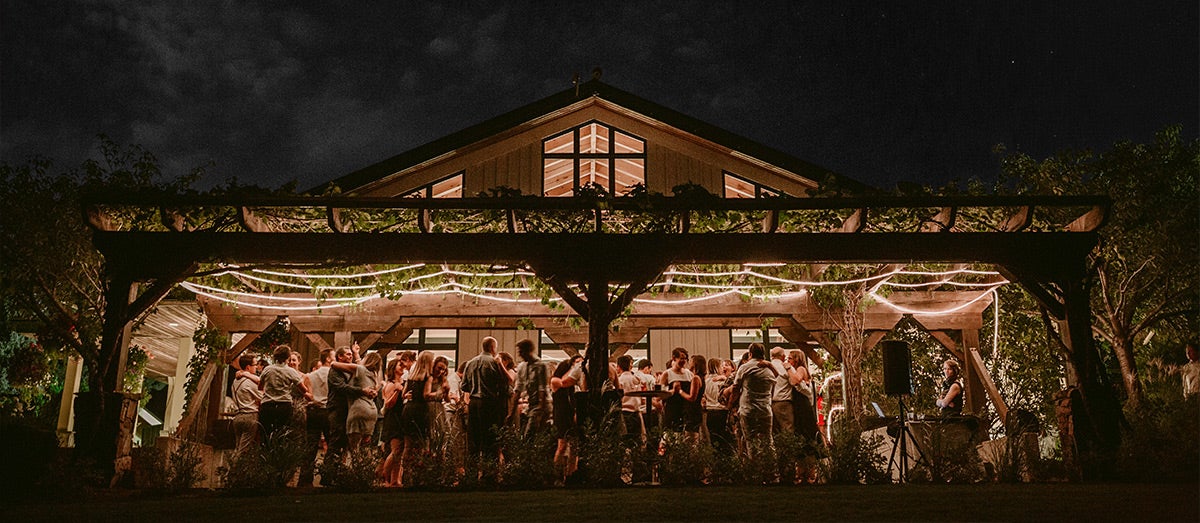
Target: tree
[51, 276]
[1144, 271]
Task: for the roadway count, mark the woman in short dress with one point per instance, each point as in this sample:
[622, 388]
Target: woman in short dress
[562, 387]
[361, 419]
[680, 382]
[414, 419]
[391, 433]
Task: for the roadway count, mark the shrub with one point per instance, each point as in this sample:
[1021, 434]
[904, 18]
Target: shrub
[1162, 441]
[685, 461]
[442, 462]
[601, 451]
[174, 471]
[528, 459]
[854, 458]
[950, 457]
[274, 464]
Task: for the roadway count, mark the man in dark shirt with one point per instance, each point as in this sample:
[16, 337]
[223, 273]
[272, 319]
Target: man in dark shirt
[487, 385]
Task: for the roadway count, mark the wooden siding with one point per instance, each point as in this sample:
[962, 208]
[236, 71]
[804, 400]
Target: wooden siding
[514, 158]
[470, 341]
[711, 343]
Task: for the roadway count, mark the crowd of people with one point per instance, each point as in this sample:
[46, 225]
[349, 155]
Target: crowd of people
[349, 402]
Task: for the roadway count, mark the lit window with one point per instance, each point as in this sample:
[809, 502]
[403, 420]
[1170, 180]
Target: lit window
[592, 153]
[448, 187]
[738, 187]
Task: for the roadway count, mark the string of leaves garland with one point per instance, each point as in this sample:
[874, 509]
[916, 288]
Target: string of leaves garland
[209, 342]
[135, 369]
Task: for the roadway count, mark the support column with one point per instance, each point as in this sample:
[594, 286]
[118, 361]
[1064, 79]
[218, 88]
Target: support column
[1097, 417]
[176, 396]
[66, 405]
[975, 401]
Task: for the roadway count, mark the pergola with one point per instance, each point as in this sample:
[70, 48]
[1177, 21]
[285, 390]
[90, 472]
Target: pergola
[1040, 242]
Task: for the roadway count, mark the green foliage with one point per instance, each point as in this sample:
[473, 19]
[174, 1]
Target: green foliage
[357, 474]
[1145, 272]
[50, 274]
[135, 369]
[29, 377]
[854, 457]
[442, 463]
[602, 453]
[271, 465]
[949, 456]
[527, 459]
[1162, 441]
[28, 460]
[209, 342]
[685, 460]
[169, 471]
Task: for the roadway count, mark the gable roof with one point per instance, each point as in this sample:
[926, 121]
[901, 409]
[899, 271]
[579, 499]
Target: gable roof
[566, 98]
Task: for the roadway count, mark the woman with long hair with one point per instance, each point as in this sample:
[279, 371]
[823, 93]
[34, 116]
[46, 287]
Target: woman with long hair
[414, 419]
[679, 381]
[716, 413]
[440, 385]
[562, 387]
[392, 435]
[951, 401]
[694, 408]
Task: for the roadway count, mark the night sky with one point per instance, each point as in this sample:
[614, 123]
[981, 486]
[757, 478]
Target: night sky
[270, 92]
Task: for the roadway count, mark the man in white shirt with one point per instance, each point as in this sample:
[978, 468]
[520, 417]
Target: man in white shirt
[1191, 371]
[783, 417]
[317, 416]
[755, 380]
[277, 382]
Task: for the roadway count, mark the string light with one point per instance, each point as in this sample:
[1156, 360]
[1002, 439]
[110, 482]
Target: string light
[951, 310]
[342, 276]
[480, 292]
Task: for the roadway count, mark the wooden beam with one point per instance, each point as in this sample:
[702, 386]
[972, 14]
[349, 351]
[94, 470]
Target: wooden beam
[976, 397]
[985, 378]
[251, 222]
[573, 254]
[337, 223]
[1090, 221]
[872, 339]
[942, 221]
[1019, 221]
[856, 222]
[317, 340]
[238, 348]
[828, 344]
[794, 332]
[370, 340]
[943, 338]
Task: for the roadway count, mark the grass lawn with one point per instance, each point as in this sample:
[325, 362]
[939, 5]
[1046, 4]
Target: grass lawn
[1136, 503]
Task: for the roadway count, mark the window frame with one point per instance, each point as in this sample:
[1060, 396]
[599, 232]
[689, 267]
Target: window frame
[578, 157]
[758, 187]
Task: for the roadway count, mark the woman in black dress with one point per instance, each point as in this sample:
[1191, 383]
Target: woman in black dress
[951, 401]
[414, 419]
[562, 386]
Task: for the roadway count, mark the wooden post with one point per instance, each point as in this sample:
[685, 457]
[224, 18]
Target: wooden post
[975, 401]
[176, 396]
[66, 406]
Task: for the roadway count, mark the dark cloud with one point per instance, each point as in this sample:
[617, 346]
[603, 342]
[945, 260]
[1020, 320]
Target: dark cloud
[273, 92]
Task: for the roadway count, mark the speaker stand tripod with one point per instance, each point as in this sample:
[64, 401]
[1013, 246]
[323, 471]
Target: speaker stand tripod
[900, 441]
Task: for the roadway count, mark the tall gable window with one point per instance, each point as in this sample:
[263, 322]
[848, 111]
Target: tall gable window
[448, 187]
[738, 187]
[592, 153]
